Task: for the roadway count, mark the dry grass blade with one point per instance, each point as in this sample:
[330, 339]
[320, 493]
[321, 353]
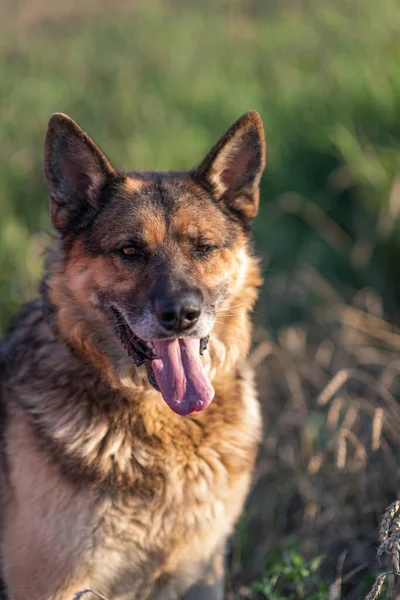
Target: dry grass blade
[371, 325]
[350, 417]
[359, 448]
[395, 527]
[291, 373]
[387, 520]
[341, 452]
[377, 587]
[324, 353]
[317, 219]
[333, 387]
[260, 353]
[345, 374]
[315, 463]
[335, 589]
[390, 373]
[319, 285]
[82, 593]
[396, 558]
[390, 535]
[377, 428]
[368, 300]
[333, 415]
[386, 546]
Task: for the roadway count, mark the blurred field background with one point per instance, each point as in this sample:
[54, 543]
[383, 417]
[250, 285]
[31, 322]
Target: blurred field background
[156, 83]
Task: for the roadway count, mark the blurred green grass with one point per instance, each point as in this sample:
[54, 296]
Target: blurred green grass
[156, 84]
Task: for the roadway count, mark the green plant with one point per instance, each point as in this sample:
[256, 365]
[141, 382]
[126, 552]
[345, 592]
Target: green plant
[291, 577]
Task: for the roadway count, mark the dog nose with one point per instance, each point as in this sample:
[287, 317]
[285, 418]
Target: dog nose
[178, 313]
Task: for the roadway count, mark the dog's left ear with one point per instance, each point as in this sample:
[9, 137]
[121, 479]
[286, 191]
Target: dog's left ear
[234, 166]
[76, 171]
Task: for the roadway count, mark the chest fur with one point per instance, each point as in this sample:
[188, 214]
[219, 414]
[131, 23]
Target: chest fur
[140, 499]
[170, 537]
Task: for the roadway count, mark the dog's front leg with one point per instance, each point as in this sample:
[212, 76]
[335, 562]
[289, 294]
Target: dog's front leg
[212, 585]
[214, 591]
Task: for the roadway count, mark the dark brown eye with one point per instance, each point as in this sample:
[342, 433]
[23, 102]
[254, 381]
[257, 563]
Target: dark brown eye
[205, 249]
[129, 250]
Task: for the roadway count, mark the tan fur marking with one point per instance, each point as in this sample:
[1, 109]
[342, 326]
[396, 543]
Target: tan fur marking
[133, 185]
[189, 224]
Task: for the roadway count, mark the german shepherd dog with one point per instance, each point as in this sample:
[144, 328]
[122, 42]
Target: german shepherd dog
[129, 419]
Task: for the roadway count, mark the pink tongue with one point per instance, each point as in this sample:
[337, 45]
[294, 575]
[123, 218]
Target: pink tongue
[180, 375]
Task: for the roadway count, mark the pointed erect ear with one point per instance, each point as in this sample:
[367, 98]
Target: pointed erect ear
[234, 166]
[75, 170]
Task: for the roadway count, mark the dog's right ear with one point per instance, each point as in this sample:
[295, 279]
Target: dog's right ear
[233, 168]
[76, 171]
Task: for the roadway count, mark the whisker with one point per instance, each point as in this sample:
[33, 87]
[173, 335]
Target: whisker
[234, 306]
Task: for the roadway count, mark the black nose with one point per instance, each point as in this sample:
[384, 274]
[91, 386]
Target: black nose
[179, 312]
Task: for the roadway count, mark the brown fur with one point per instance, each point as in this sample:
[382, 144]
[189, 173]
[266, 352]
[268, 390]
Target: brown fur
[102, 485]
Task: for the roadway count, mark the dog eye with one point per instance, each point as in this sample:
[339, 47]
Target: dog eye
[205, 249]
[129, 251]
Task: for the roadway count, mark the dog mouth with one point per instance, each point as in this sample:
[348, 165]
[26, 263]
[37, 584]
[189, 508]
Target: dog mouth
[173, 365]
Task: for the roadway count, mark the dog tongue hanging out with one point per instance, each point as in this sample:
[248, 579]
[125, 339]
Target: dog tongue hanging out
[180, 375]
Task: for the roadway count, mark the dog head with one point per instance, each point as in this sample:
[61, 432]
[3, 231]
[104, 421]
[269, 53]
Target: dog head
[152, 257]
